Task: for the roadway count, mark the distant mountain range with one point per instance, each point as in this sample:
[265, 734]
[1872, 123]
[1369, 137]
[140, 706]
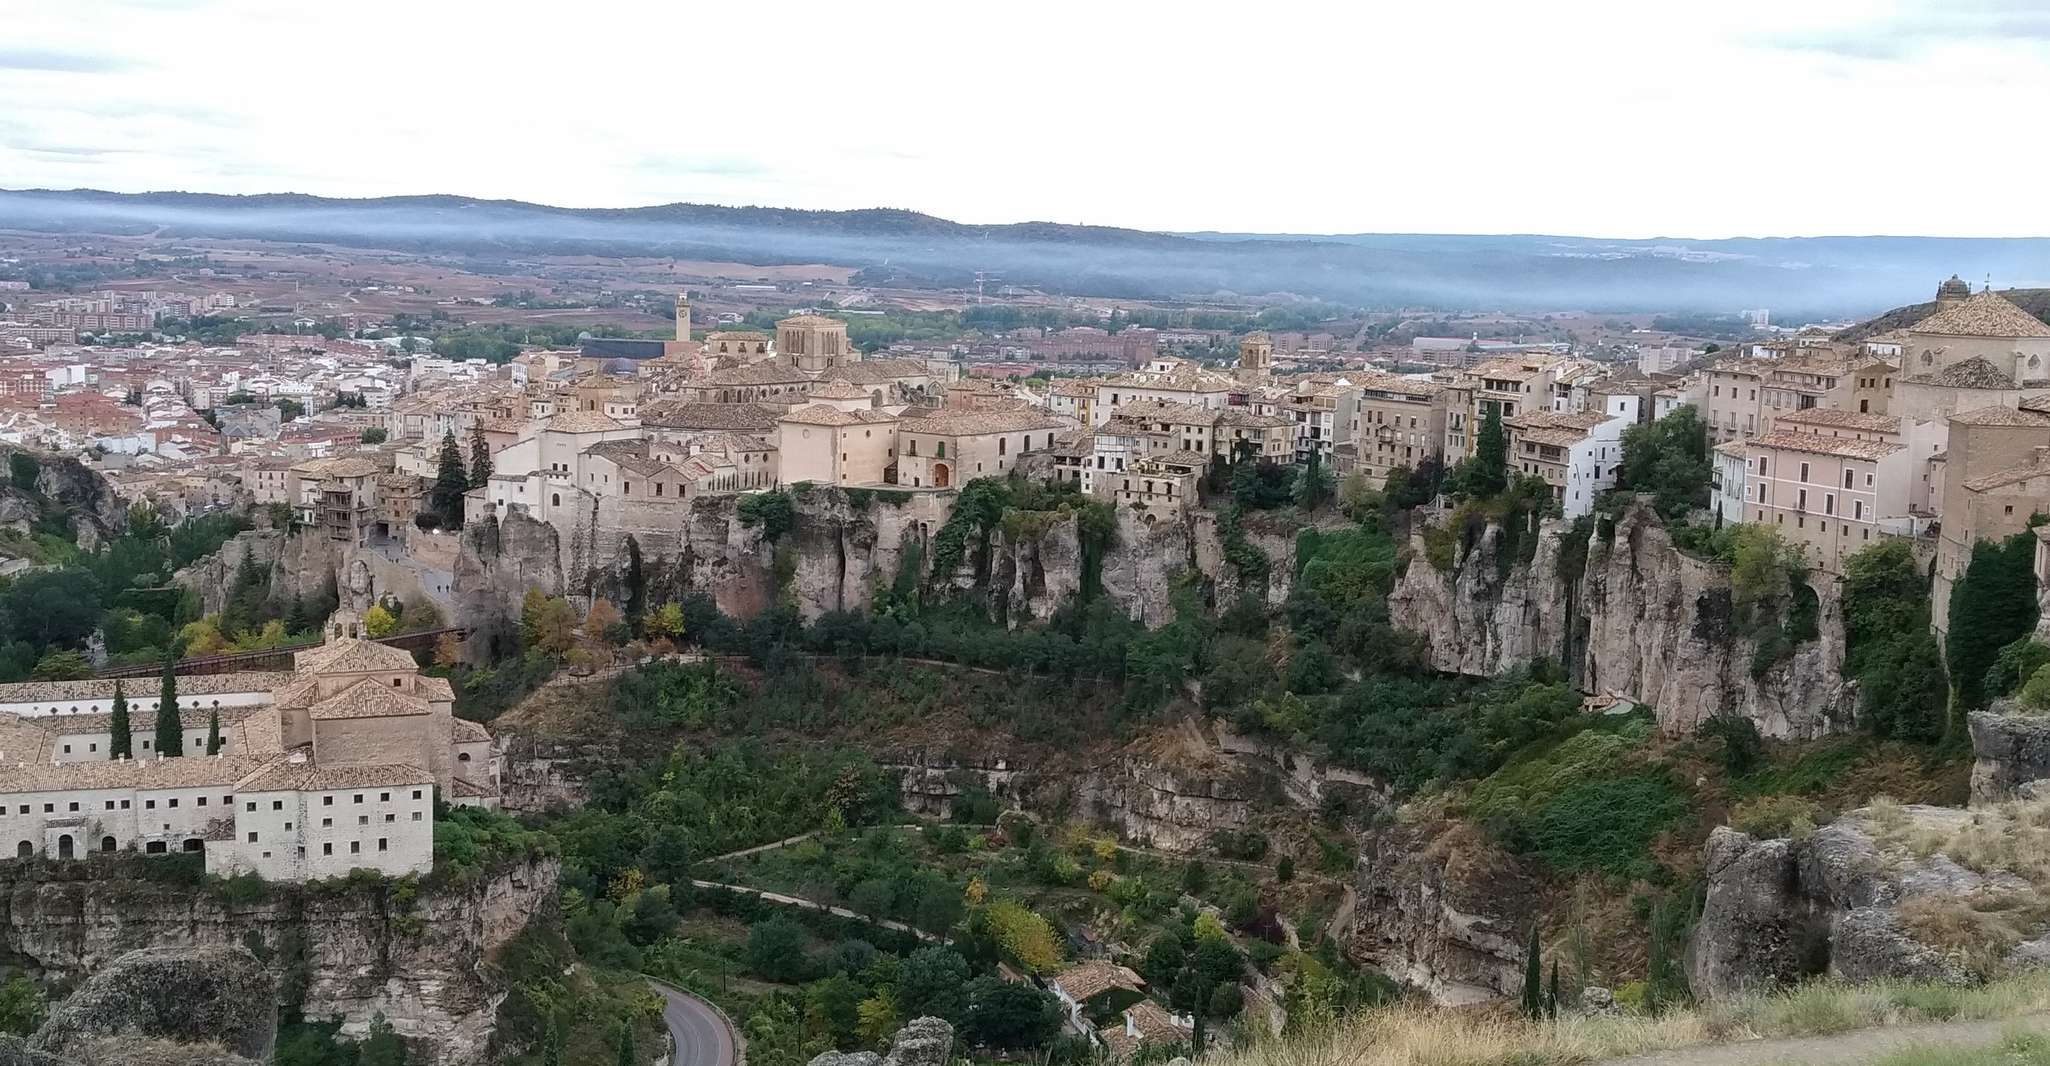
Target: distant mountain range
[1797, 277]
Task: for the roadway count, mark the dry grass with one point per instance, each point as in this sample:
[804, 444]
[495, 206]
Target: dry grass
[1423, 1036]
[2008, 844]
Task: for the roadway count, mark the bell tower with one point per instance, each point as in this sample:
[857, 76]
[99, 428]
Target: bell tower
[683, 316]
[1256, 357]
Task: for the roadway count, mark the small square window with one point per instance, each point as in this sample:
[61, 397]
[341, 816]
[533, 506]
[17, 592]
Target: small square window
[327, 801]
[251, 805]
[174, 801]
[358, 798]
[416, 816]
[124, 805]
[391, 817]
[277, 805]
[74, 806]
[252, 836]
[149, 805]
[362, 819]
[381, 844]
[355, 847]
[202, 801]
[110, 805]
[384, 797]
[416, 793]
[49, 808]
[288, 827]
[327, 823]
[327, 849]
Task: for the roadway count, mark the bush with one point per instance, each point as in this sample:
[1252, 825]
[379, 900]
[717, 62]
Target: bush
[1769, 817]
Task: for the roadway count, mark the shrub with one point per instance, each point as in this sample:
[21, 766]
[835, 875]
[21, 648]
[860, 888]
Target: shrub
[1776, 816]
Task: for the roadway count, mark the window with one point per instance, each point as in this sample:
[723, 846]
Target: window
[74, 806]
[327, 823]
[355, 847]
[1858, 509]
[416, 793]
[1804, 471]
[327, 849]
[381, 844]
[384, 797]
[149, 805]
[250, 806]
[362, 819]
[252, 836]
[391, 817]
[327, 801]
[67, 749]
[358, 798]
[416, 816]
[201, 801]
[276, 805]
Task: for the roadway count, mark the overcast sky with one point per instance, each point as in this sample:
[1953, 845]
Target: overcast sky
[1642, 118]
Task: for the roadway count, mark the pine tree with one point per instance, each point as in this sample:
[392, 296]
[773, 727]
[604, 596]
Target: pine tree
[123, 744]
[213, 739]
[170, 731]
[480, 457]
[450, 482]
[1533, 977]
[636, 582]
[1489, 474]
[627, 1055]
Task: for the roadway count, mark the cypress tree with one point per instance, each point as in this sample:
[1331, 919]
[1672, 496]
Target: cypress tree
[1533, 978]
[450, 482]
[1552, 994]
[123, 744]
[213, 747]
[551, 1043]
[170, 731]
[636, 583]
[1489, 474]
[480, 457]
[627, 1055]
[1197, 1037]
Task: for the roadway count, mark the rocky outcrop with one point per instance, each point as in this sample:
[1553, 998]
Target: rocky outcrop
[499, 560]
[1169, 806]
[1875, 894]
[1640, 619]
[2010, 749]
[62, 486]
[1444, 910]
[216, 994]
[349, 954]
[922, 1042]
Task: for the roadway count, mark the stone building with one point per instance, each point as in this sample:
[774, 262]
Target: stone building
[1830, 481]
[331, 767]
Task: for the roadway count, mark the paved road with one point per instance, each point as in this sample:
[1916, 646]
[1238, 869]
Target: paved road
[1855, 1048]
[701, 1036]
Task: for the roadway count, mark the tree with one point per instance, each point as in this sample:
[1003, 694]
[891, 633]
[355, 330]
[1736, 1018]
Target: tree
[1010, 1016]
[382, 1047]
[1668, 459]
[170, 731]
[934, 981]
[665, 622]
[636, 582]
[1312, 483]
[1994, 605]
[62, 666]
[1025, 936]
[378, 622]
[601, 621]
[1533, 978]
[373, 435]
[773, 512]
[480, 457]
[290, 410]
[450, 482]
[122, 746]
[627, 1055]
[22, 1006]
[46, 607]
[551, 1042]
[1488, 473]
[213, 731]
[775, 950]
[547, 623]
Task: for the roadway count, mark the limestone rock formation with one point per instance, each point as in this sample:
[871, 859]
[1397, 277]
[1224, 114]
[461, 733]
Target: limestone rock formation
[500, 559]
[1444, 910]
[1875, 894]
[2010, 749]
[922, 1042]
[216, 994]
[1642, 620]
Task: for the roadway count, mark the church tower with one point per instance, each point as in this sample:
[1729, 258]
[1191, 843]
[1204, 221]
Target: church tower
[1954, 291]
[683, 316]
[1256, 357]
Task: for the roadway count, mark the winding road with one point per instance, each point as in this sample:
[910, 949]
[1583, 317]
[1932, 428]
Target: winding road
[700, 1034]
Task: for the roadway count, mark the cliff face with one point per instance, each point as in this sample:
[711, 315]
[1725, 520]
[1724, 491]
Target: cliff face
[351, 953]
[1643, 620]
[1442, 909]
[499, 559]
[63, 484]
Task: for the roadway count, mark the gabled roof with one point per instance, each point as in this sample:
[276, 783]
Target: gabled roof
[1818, 444]
[351, 656]
[369, 698]
[819, 414]
[1988, 314]
[1835, 418]
[284, 775]
[581, 422]
[1973, 373]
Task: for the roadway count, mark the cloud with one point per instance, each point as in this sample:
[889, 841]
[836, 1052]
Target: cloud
[74, 151]
[1907, 34]
[53, 61]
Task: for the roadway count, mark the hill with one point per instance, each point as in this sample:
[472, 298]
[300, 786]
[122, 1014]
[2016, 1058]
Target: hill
[2034, 301]
[1799, 278]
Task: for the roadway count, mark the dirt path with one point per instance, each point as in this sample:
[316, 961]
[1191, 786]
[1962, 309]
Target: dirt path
[1843, 1049]
[812, 904]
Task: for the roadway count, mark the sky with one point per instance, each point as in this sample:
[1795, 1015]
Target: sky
[1683, 118]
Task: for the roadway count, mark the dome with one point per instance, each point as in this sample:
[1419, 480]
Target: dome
[1954, 289]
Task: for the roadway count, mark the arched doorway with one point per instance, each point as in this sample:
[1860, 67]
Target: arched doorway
[154, 847]
[64, 848]
[24, 850]
[108, 844]
[941, 476]
[194, 844]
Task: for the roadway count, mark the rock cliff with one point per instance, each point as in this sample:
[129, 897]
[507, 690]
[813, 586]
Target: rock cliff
[1924, 893]
[62, 485]
[217, 994]
[499, 559]
[349, 953]
[1442, 909]
[2010, 750]
[1640, 619]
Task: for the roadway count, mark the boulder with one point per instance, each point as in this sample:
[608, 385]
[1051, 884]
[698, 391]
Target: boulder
[2010, 749]
[922, 1042]
[184, 995]
[1757, 929]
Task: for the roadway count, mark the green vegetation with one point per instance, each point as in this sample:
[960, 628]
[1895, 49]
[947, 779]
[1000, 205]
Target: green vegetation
[1993, 606]
[1669, 460]
[451, 481]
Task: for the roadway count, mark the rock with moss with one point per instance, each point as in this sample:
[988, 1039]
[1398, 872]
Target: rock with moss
[922, 1042]
[187, 996]
[2010, 750]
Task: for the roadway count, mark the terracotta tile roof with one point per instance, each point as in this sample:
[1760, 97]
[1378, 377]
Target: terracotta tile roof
[581, 422]
[1154, 1022]
[819, 414]
[1817, 444]
[1987, 314]
[64, 725]
[1840, 419]
[742, 417]
[767, 372]
[468, 732]
[351, 656]
[881, 371]
[464, 788]
[369, 698]
[191, 771]
[838, 389]
[1973, 373]
[436, 689]
[1997, 415]
[284, 775]
[1095, 977]
[143, 689]
[974, 421]
[2013, 475]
